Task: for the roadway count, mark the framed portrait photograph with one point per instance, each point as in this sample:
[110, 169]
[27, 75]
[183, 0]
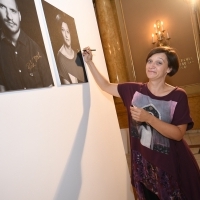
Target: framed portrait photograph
[23, 60]
[65, 45]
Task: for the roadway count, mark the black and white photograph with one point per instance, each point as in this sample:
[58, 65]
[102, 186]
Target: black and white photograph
[23, 59]
[65, 44]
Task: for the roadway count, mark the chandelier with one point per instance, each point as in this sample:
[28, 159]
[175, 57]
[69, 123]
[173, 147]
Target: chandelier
[160, 37]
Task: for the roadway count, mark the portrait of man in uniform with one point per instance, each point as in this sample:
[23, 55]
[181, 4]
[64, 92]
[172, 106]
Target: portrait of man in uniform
[23, 63]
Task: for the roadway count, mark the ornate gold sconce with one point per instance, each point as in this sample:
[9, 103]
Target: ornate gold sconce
[158, 37]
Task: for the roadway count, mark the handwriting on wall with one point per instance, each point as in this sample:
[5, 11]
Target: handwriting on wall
[185, 62]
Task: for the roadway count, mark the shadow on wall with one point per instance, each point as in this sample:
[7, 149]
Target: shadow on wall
[71, 182]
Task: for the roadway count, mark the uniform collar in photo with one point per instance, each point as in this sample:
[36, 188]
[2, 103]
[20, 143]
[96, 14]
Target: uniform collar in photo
[22, 37]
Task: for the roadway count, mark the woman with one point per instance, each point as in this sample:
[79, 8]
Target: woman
[162, 166]
[70, 63]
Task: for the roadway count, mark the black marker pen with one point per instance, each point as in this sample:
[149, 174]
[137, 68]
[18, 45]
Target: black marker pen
[90, 49]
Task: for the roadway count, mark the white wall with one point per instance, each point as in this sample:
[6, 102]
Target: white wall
[63, 143]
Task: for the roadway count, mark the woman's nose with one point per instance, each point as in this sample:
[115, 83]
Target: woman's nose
[152, 65]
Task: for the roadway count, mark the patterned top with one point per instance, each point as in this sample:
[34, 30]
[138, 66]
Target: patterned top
[164, 166]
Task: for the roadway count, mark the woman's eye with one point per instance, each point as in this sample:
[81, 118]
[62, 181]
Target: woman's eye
[159, 63]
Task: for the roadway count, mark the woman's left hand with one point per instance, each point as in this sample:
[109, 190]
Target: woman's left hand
[139, 114]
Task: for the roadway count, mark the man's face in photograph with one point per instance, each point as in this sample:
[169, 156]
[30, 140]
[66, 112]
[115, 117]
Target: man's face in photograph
[10, 16]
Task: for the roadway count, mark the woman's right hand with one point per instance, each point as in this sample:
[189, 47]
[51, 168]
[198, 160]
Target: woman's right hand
[87, 54]
[139, 114]
[103, 82]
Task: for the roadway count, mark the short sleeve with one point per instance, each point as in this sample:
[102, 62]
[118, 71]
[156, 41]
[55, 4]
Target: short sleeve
[127, 90]
[182, 111]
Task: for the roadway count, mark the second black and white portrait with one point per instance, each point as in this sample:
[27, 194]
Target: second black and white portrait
[65, 44]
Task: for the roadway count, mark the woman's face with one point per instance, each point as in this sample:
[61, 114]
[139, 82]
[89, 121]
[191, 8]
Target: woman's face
[157, 66]
[66, 34]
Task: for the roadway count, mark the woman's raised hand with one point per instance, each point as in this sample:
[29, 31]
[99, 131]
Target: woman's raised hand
[87, 54]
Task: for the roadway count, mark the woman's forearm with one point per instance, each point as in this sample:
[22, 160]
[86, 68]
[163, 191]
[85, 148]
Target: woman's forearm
[168, 130]
[103, 83]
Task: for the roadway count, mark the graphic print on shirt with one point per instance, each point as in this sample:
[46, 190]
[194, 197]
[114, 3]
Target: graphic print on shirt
[148, 136]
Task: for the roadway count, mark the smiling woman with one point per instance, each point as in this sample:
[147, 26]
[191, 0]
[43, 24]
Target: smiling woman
[158, 116]
[159, 64]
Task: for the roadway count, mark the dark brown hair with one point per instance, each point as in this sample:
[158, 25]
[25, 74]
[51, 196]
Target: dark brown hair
[172, 57]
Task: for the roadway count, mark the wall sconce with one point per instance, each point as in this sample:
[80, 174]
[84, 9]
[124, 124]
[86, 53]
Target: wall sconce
[158, 37]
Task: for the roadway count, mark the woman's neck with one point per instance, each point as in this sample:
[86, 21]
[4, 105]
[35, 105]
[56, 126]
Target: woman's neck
[159, 89]
[67, 51]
